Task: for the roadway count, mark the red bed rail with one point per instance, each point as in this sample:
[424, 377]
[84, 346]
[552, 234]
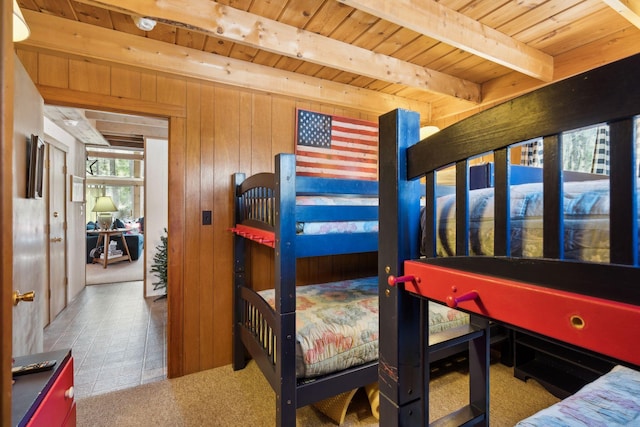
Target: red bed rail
[597, 324]
[263, 237]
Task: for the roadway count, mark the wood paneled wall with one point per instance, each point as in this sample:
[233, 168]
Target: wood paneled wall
[215, 131]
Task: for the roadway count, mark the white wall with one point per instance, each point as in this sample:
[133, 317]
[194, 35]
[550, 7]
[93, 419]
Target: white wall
[76, 230]
[30, 240]
[156, 161]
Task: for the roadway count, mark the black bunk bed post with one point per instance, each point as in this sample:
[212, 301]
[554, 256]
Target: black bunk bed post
[399, 371]
[623, 217]
[553, 219]
[285, 289]
[239, 279]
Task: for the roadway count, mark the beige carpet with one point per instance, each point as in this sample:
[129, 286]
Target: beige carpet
[222, 397]
[122, 271]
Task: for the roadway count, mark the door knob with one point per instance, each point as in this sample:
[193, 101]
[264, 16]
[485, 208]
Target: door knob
[55, 214]
[27, 296]
[56, 239]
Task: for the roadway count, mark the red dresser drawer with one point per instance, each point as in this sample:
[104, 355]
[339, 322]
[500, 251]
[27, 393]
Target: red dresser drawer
[71, 418]
[58, 406]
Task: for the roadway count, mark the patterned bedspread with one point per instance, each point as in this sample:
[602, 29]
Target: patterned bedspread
[611, 400]
[337, 324]
[586, 221]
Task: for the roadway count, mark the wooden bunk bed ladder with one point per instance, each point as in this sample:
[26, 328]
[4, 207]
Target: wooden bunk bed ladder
[406, 346]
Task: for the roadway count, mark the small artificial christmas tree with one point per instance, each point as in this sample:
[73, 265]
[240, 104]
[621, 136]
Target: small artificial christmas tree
[159, 266]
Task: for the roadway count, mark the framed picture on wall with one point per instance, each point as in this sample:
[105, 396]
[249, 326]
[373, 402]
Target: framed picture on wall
[35, 167]
[77, 189]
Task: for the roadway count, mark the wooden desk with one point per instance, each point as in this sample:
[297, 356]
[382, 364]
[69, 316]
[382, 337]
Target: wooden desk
[104, 237]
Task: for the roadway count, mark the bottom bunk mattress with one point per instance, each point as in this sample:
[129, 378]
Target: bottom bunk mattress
[611, 400]
[337, 324]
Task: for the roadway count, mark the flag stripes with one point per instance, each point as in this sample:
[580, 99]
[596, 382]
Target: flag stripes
[336, 147]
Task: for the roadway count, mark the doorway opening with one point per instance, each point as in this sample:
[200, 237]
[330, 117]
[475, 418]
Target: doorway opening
[115, 193]
[115, 148]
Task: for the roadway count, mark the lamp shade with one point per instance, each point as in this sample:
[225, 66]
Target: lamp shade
[426, 131]
[20, 28]
[104, 204]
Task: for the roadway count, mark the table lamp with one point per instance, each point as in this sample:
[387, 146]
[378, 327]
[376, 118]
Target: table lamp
[103, 208]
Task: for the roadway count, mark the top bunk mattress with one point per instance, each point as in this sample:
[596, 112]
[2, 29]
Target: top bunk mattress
[328, 227]
[586, 221]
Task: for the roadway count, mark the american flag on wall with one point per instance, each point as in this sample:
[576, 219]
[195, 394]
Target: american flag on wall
[336, 147]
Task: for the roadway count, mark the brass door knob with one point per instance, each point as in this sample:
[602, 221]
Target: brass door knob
[27, 296]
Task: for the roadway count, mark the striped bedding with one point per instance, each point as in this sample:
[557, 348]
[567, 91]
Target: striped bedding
[337, 324]
[327, 227]
[586, 221]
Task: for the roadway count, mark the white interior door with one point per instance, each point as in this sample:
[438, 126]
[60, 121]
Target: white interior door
[57, 232]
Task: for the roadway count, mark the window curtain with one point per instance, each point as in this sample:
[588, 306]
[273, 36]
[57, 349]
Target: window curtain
[532, 153]
[579, 149]
[601, 154]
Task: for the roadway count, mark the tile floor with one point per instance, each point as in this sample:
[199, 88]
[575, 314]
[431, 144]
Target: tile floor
[117, 337]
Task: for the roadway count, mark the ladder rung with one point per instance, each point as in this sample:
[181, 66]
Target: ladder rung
[465, 416]
[454, 336]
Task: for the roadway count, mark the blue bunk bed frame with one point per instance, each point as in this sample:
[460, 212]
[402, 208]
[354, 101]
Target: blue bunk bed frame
[608, 94]
[266, 202]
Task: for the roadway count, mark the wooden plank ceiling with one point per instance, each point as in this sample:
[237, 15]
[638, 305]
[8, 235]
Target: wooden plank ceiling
[438, 57]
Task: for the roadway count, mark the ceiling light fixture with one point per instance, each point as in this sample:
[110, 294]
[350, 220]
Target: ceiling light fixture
[70, 122]
[145, 24]
[20, 28]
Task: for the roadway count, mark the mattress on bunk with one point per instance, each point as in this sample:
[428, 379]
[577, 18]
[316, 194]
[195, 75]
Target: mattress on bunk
[586, 221]
[327, 227]
[337, 324]
[611, 400]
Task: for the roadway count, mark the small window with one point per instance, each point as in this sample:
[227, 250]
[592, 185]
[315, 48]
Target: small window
[587, 150]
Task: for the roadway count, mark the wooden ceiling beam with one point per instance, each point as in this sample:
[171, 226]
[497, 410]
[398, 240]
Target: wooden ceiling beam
[113, 155]
[629, 9]
[105, 116]
[110, 127]
[568, 64]
[50, 33]
[128, 144]
[453, 28]
[224, 22]
[124, 139]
